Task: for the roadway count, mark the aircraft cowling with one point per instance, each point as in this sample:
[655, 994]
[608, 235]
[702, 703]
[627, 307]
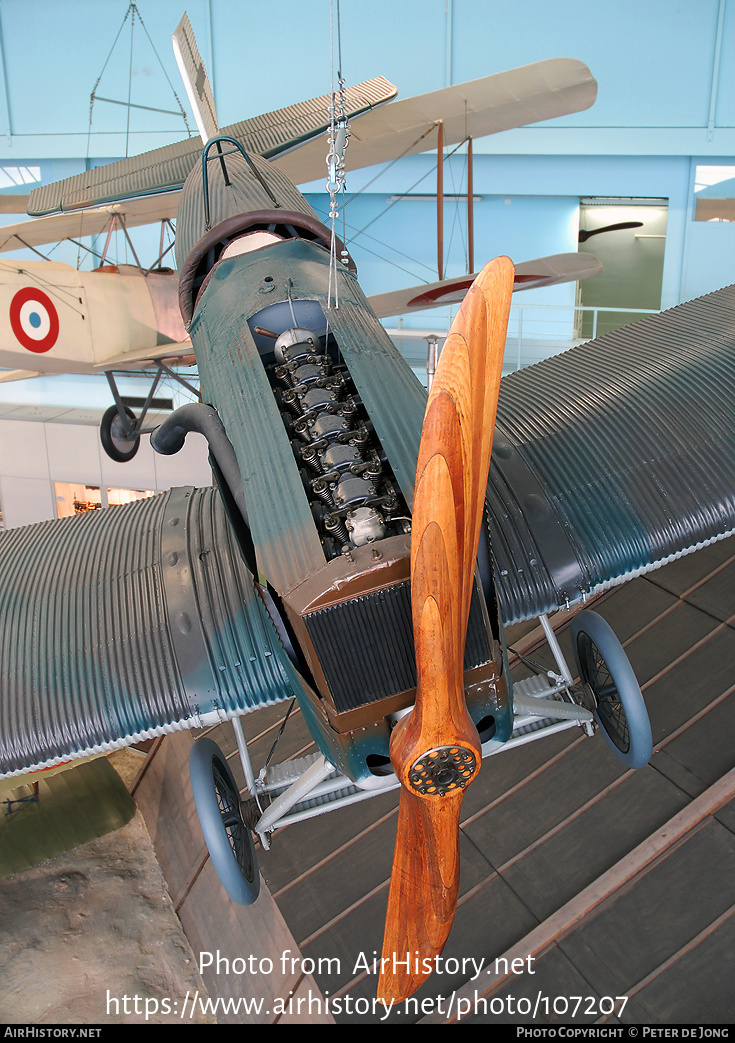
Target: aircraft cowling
[258, 272]
[244, 194]
[346, 611]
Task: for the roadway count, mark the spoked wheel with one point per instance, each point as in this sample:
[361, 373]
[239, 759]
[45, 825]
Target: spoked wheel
[618, 703]
[112, 435]
[228, 839]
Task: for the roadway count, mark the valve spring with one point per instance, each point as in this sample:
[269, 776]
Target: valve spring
[337, 528]
[311, 457]
[292, 402]
[316, 435]
[322, 490]
[284, 374]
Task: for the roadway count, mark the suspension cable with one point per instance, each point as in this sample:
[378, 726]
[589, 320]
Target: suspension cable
[339, 132]
[133, 13]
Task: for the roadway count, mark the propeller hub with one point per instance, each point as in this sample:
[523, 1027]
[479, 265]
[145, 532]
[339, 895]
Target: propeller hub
[443, 769]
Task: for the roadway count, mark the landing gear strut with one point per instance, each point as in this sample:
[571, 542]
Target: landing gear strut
[120, 429]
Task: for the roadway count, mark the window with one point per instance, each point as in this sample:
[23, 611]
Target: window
[115, 497]
[714, 192]
[75, 498]
[12, 176]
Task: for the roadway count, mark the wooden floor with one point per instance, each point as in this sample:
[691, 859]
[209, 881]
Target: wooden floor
[606, 882]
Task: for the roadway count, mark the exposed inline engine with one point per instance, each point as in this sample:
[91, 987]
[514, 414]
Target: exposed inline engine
[353, 494]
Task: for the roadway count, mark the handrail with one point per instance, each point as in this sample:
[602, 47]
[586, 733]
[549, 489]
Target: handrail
[206, 158]
[520, 316]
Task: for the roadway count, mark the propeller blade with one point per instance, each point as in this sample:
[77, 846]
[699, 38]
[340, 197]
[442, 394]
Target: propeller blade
[435, 750]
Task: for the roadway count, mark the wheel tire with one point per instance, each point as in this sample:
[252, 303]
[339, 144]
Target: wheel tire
[113, 439]
[228, 840]
[619, 707]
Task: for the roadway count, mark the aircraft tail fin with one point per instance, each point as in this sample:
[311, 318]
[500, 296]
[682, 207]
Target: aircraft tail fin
[196, 81]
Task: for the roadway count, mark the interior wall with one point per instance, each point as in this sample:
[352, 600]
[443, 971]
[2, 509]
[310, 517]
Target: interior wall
[35, 454]
[708, 259]
[527, 206]
[420, 45]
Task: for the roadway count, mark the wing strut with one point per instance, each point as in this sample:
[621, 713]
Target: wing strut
[440, 199]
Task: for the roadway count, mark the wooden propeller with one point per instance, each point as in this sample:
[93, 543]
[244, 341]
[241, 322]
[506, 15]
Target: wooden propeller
[435, 750]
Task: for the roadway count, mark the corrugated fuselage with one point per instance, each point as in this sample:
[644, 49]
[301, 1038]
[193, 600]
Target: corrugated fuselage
[347, 603]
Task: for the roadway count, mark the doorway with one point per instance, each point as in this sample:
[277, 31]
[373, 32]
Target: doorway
[632, 258]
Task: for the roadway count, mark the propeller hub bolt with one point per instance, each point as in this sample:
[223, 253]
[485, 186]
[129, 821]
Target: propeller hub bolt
[443, 769]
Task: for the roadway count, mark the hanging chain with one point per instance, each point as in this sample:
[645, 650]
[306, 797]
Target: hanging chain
[338, 139]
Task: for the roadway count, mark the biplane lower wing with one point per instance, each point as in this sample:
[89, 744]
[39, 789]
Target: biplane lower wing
[529, 275]
[134, 359]
[61, 320]
[123, 624]
[76, 224]
[9, 375]
[615, 457]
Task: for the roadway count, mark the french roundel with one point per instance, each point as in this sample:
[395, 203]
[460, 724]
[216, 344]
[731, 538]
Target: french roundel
[34, 319]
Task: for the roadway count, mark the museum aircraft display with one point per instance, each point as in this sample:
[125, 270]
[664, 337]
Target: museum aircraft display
[360, 552]
[56, 319]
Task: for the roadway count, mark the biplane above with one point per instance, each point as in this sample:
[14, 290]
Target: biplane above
[118, 317]
[362, 550]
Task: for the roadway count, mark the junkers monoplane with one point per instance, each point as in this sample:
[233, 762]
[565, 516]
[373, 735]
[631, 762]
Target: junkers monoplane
[361, 551]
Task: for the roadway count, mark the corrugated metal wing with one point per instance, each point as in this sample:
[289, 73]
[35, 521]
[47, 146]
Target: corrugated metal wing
[122, 624]
[615, 457]
[166, 169]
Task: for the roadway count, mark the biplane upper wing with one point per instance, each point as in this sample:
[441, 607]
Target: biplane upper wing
[491, 104]
[614, 457]
[165, 169]
[293, 138]
[123, 624]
